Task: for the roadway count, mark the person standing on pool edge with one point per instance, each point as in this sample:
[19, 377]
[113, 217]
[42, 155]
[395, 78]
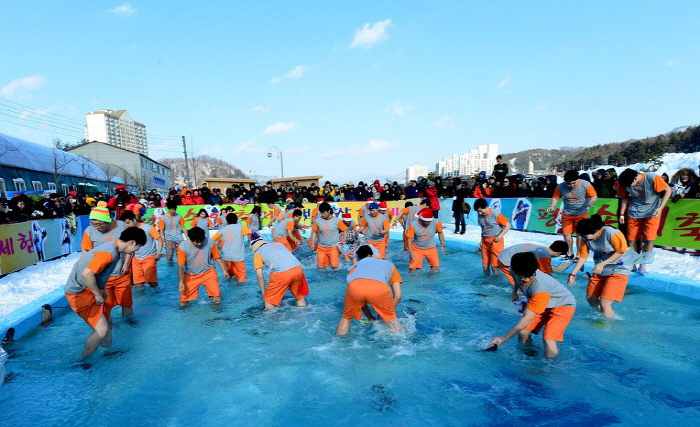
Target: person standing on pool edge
[285, 272]
[646, 194]
[196, 259]
[610, 275]
[371, 281]
[85, 288]
[493, 227]
[550, 306]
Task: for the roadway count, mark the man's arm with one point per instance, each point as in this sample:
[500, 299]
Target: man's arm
[223, 268]
[668, 191]
[528, 315]
[261, 279]
[624, 201]
[441, 237]
[181, 278]
[503, 232]
[91, 282]
[396, 289]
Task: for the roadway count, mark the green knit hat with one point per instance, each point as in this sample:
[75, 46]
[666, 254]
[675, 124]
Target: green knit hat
[100, 214]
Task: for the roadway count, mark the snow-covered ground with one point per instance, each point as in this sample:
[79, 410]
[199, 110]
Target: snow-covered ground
[22, 287]
[669, 163]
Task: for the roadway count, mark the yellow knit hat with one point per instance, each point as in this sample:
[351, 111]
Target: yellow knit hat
[100, 214]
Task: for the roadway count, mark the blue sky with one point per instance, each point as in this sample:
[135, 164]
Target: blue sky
[352, 90]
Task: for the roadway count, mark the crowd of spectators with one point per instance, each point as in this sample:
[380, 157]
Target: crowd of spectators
[499, 184]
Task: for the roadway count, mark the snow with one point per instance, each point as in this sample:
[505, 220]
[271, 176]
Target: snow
[670, 163]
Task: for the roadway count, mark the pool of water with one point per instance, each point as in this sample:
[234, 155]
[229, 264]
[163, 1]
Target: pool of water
[236, 365]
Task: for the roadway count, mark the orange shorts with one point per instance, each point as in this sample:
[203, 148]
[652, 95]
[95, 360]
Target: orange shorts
[84, 305]
[119, 291]
[286, 242]
[292, 279]
[643, 228]
[568, 223]
[610, 287]
[490, 250]
[380, 245]
[209, 279]
[236, 269]
[368, 291]
[144, 270]
[431, 254]
[554, 321]
[325, 256]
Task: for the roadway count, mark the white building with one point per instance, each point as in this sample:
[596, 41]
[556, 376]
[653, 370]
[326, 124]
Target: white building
[137, 170]
[413, 172]
[115, 127]
[481, 159]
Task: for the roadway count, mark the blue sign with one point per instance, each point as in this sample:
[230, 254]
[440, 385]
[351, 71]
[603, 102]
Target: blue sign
[158, 181]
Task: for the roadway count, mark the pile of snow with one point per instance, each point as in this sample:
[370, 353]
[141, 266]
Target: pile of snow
[669, 164]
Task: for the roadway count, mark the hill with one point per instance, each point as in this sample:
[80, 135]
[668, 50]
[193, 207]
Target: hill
[203, 166]
[684, 139]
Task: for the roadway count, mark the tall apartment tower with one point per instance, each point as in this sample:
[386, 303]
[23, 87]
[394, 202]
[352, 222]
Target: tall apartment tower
[115, 127]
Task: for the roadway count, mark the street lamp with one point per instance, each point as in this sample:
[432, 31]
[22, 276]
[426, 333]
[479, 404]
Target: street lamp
[279, 156]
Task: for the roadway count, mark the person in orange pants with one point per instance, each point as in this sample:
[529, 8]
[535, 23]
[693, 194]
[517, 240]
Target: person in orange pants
[371, 281]
[326, 234]
[86, 285]
[550, 305]
[375, 226]
[196, 259]
[285, 272]
[421, 241]
[493, 227]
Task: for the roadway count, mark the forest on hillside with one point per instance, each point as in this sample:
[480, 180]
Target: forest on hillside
[615, 154]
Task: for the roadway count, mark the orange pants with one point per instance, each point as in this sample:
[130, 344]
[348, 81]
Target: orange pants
[144, 270]
[554, 321]
[286, 242]
[490, 250]
[643, 228]
[325, 255]
[236, 269]
[84, 305]
[610, 287]
[119, 291]
[368, 291]
[569, 222]
[380, 245]
[209, 279]
[292, 279]
[431, 254]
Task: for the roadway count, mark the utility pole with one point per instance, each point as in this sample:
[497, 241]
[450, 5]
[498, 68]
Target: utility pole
[187, 167]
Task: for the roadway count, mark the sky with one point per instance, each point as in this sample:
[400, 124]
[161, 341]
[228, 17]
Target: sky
[351, 90]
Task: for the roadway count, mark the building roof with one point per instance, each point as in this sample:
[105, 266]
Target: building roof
[23, 154]
[296, 178]
[85, 144]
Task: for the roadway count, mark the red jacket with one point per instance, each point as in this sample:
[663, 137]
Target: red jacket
[431, 193]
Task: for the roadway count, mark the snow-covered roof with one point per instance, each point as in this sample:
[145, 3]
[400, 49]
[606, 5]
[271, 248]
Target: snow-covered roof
[32, 156]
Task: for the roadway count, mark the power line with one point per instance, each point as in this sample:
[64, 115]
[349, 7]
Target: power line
[27, 115]
[39, 122]
[53, 114]
[43, 130]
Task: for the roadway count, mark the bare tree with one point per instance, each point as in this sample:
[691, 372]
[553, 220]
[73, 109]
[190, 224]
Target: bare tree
[60, 161]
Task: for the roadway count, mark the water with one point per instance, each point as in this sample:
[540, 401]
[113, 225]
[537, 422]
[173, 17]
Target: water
[237, 365]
